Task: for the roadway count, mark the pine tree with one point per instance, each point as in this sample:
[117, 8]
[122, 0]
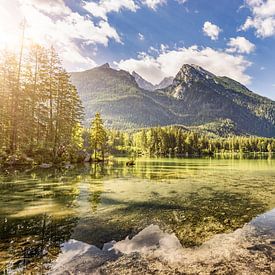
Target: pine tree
[98, 136]
[39, 107]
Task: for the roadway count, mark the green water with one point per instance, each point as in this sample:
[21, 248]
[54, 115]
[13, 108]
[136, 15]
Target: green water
[194, 198]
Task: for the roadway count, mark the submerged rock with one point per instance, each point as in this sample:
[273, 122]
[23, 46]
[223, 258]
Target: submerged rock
[249, 250]
[81, 258]
[240, 252]
[151, 239]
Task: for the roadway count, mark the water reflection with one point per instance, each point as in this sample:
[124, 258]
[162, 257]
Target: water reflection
[30, 244]
[195, 198]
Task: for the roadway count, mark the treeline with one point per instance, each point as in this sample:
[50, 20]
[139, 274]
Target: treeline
[165, 141]
[40, 110]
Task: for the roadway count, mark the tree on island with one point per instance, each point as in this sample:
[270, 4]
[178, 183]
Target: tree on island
[98, 136]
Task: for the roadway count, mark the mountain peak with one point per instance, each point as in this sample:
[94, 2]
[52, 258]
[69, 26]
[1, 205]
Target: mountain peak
[104, 66]
[146, 85]
[142, 83]
[193, 73]
[134, 73]
[190, 74]
[167, 81]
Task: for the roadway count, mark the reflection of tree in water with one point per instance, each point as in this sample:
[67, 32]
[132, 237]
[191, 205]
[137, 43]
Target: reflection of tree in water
[98, 171]
[142, 169]
[30, 244]
[95, 199]
[194, 218]
[29, 238]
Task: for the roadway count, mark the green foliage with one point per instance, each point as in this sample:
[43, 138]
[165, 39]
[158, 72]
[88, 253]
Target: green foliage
[178, 141]
[98, 136]
[39, 107]
[77, 136]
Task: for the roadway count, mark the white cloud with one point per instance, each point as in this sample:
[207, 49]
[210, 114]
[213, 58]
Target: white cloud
[141, 36]
[265, 27]
[263, 8]
[49, 6]
[164, 47]
[240, 45]
[53, 23]
[211, 30]
[74, 60]
[262, 19]
[152, 50]
[103, 7]
[153, 4]
[168, 63]
[182, 1]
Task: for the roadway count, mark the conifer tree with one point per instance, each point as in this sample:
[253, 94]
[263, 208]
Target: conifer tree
[98, 136]
[39, 106]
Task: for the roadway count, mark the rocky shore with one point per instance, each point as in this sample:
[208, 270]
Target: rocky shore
[250, 250]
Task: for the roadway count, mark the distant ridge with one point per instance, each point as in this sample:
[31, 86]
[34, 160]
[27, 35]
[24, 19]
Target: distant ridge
[142, 83]
[146, 85]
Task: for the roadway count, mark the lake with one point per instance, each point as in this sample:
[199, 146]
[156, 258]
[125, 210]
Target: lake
[196, 199]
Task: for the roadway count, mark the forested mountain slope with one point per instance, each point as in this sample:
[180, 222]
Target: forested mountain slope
[196, 97]
[117, 96]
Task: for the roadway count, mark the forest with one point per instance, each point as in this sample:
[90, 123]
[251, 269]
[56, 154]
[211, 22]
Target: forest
[40, 110]
[176, 141]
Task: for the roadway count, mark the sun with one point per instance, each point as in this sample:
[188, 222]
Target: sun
[15, 21]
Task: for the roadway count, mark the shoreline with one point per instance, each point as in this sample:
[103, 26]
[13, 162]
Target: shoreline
[64, 164]
[249, 250]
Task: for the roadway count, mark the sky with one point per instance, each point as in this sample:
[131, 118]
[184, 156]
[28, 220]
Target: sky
[233, 38]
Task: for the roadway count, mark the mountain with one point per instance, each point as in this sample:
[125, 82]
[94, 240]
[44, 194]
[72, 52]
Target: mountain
[142, 83]
[206, 97]
[167, 81]
[146, 85]
[196, 98]
[117, 96]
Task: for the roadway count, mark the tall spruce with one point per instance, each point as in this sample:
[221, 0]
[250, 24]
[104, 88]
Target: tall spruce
[98, 136]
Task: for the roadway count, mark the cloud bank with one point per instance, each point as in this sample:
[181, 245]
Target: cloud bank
[168, 63]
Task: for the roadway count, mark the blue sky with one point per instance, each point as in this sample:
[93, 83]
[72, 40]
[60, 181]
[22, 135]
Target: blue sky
[155, 38]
